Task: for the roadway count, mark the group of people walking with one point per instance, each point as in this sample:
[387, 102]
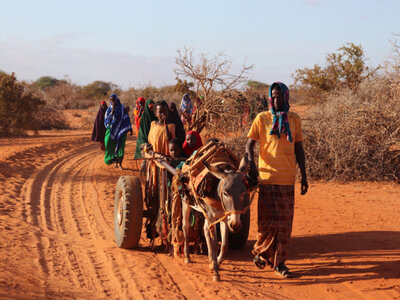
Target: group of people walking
[156, 123]
[278, 132]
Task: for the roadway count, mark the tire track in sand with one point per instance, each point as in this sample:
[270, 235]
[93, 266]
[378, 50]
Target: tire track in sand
[56, 202]
[72, 220]
[93, 263]
[37, 206]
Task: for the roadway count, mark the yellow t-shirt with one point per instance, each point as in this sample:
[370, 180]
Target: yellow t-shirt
[277, 160]
[158, 137]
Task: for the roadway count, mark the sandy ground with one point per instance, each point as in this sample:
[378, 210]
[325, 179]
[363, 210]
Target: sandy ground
[57, 239]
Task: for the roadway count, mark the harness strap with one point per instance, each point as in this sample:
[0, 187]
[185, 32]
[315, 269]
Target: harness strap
[227, 214]
[196, 196]
[219, 192]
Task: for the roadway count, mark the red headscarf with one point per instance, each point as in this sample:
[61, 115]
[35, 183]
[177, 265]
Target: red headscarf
[138, 113]
[140, 100]
[189, 150]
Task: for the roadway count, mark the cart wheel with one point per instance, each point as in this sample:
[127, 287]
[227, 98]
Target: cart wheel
[128, 212]
[238, 239]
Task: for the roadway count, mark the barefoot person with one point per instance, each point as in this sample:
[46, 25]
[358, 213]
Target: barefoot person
[99, 130]
[118, 124]
[159, 135]
[279, 133]
[177, 159]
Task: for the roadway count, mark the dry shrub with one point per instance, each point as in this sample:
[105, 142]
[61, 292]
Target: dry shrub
[50, 115]
[17, 105]
[65, 95]
[223, 113]
[49, 118]
[237, 144]
[355, 135]
[166, 93]
[306, 96]
[233, 124]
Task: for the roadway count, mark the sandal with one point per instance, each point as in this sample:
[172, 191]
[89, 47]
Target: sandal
[283, 271]
[259, 262]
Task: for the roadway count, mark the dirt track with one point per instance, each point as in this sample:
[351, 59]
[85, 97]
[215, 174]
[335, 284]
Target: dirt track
[56, 224]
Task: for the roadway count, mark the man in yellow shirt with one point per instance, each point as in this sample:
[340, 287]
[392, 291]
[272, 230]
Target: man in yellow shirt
[279, 133]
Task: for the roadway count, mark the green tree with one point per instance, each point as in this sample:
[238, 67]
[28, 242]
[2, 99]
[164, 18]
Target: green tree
[256, 85]
[344, 69]
[16, 106]
[46, 82]
[182, 86]
[98, 89]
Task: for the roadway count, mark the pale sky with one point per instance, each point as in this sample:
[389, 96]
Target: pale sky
[134, 43]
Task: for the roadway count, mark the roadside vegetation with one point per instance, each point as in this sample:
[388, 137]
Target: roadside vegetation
[351, 125]
[352, 129]
[17, 106]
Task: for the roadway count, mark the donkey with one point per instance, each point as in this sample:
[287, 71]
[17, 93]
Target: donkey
[228, 202]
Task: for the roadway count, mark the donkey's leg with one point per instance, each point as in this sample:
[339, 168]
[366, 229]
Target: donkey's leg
[208, 241]
[185, 228]
[213, 248]
[224, 241]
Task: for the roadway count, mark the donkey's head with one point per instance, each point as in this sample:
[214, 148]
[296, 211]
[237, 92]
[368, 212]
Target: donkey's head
[232, 190]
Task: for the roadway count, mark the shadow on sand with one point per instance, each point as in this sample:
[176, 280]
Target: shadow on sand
[335, 258]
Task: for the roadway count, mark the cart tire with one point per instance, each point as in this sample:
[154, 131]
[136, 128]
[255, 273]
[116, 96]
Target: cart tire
[128, 212]
[238, 239]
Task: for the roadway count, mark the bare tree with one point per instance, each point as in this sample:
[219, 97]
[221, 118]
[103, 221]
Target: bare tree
[395, 63]
[209, 73]
[213, 79]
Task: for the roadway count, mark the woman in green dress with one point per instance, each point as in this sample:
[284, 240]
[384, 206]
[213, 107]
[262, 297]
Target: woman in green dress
[118, 124]
[144, 128]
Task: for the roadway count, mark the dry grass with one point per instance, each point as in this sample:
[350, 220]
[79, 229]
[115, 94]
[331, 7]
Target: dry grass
[130, 96]
[47, 118]
[355, 135]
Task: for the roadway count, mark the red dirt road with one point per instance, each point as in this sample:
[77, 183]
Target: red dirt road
[57, 240]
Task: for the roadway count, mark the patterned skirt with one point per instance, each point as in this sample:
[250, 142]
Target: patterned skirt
[275, 219]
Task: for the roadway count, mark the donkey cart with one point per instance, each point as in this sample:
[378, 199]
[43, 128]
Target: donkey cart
[129, 209]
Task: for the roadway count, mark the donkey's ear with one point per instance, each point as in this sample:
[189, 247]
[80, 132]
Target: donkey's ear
[215, 170]
[244, 164]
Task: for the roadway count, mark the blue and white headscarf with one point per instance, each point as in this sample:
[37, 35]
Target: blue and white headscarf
[118, 121]
[280, 121]
[186, 105]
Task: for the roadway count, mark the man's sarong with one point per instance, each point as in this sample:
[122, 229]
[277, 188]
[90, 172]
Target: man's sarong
[275, 219]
